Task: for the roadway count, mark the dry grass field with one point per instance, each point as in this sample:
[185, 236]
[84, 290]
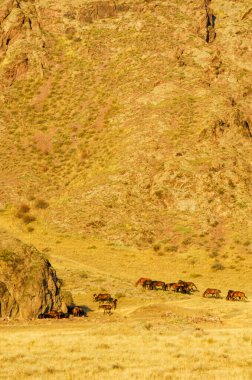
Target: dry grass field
[152, 334]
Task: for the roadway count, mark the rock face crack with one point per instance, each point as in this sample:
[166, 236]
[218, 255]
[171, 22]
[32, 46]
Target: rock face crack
[206, 30]
[210, 22]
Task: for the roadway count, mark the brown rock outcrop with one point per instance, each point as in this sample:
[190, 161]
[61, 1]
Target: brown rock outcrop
[19, 28]
[28, 283]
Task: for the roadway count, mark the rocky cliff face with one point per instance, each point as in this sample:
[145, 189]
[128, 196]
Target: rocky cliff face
[21, 41]
[28, 283]
[139, 129]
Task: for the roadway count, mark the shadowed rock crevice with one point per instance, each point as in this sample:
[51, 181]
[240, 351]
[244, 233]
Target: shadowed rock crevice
[207, 24]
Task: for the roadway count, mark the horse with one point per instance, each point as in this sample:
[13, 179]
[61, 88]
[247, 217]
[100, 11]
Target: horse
[78, 312]
[235, 296]
[158, 285]
[181, 288]
[53, 314]
[170, 286]
[230, 295]
[147, 284]
[101, 297]
[191, 285]
[142, 280]
[213, 292]
[106, 309]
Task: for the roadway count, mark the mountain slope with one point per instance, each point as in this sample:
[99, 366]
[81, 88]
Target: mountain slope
[131, 119]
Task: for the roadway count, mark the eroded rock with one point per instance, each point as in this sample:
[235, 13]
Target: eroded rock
[28, 283]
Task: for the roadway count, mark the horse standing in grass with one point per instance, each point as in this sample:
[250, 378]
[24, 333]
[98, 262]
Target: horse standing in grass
[212, 292]
[190, 284]
[106, 309]
[142, 280]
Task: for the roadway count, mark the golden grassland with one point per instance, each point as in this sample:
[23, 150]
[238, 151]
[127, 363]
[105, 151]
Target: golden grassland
[152, 335]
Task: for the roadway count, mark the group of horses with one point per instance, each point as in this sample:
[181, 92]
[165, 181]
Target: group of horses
[188, 288]
[179, 287]
[106, 302]
[75, 311]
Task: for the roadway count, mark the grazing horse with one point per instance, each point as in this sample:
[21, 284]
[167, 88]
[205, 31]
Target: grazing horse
[147, 284]
[106, 309]
[181, 288]
[142, 280]
[101, 297]
[158, 285]
[230, 295]
[170, 286]
[239, 296]
[190, 284]
[235, 296]
[78, 312]
[213, 292]
[53, 314]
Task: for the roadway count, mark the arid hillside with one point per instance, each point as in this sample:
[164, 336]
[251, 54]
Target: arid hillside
[129, 120]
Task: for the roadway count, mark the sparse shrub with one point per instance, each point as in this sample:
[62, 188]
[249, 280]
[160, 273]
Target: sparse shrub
[83, 274]
[215, 223]
[186, 242]
[41, 203]
[24, 208]
[247, 243]
[159, 193]
[117, 366]
[217, 266]
[195, 275]
[67, 297]
[171, 248]
[156, 247]
[148, 326]
[28, 218]
[30, 229]
[103, 346]
[214, 254]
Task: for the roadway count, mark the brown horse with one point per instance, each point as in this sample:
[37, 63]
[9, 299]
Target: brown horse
[170, 286]
[142, 280]
[181, 288]
[212, 292]
[230, 295]
[235, 296]
[158, 285]
[53, 314]
[190, 284]
[101, 297]
[239, 296]
[106, 309]
[147, 284]
[78, 312]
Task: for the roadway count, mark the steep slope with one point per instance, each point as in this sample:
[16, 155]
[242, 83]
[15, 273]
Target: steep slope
[138, 127]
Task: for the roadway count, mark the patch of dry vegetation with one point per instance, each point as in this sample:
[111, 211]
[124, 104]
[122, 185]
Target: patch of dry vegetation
[159, 126]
